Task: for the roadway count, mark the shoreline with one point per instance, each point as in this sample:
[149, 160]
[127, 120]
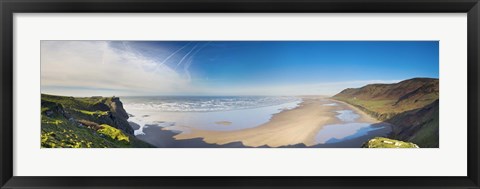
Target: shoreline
[230, 119]
[292, 127]
[288, 127]
[364, 117]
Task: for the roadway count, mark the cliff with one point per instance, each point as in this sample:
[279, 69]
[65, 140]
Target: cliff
[411, 106]
[420, 126]
[91, 122]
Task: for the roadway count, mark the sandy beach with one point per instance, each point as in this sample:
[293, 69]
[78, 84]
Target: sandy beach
[364, 117]
[289, 127]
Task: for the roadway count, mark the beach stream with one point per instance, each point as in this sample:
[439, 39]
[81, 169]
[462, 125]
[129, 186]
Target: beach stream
[347, 130]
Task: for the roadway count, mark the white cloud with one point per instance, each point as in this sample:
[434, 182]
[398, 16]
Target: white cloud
[88, 68]
[96, 68]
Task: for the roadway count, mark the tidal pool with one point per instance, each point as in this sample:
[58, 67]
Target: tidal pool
[341, 132]
[347, 130]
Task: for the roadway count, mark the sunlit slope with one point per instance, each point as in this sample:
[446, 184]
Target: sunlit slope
[93, 122]
[411, 106]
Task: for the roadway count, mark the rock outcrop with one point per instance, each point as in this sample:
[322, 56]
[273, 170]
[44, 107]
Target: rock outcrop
[85, 122]
[381, 142]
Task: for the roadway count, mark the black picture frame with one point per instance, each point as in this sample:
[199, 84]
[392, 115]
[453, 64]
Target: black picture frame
[9, 7]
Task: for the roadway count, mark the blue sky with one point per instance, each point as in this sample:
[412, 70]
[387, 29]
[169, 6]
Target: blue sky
[231, 67]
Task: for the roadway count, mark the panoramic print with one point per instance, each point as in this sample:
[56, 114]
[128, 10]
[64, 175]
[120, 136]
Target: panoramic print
[239, 94]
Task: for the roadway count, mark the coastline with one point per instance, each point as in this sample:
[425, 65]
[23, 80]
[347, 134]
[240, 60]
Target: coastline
[364, 117]
[288, 127]
[186, 121]
[297, 126]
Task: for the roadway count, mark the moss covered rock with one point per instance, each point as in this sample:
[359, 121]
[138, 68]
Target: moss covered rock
[381, 142]
[91, 122]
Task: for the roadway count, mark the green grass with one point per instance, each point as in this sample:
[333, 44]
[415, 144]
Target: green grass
[379, 106]
[384, 107]
[380, 109]
[428, 135]
[48, 120]
[44, 109]
[84, 103]
[412, 121]
[60, 127]
[93, 113]
[66, 134]
[381, 142]
[113, 133]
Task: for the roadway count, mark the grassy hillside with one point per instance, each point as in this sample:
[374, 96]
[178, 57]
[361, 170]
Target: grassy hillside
[386, 100]
[419, 126]
[410, 105]
[93, 122]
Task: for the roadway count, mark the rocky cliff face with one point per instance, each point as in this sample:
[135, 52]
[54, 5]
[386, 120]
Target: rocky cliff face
[420, 126]
[118, 115]
[410, 105]
[86, 122]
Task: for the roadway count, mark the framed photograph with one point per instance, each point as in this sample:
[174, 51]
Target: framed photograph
[254, 94]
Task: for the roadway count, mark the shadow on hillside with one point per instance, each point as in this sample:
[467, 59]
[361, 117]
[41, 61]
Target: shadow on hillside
[420, 126]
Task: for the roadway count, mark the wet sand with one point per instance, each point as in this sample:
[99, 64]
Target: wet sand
[364, 117]
[226, 123]
[297, 126]
[167, 140]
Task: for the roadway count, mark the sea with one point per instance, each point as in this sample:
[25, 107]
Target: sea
[216, 113]
[184, 114]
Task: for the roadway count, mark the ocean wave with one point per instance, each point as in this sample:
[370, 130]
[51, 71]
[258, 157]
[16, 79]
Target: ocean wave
[203, 104]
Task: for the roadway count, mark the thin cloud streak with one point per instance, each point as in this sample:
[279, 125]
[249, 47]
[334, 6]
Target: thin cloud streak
[173, 54]
[187, 65]
[88, 68]
[186, 55]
